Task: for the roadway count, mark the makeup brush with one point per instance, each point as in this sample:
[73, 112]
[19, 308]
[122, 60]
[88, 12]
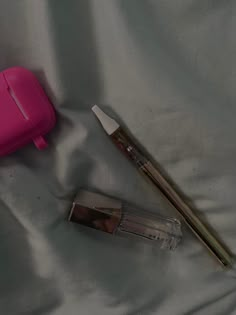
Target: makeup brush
[146, 167]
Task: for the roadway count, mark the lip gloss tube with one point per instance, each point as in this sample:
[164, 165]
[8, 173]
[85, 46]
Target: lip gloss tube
[120, 218]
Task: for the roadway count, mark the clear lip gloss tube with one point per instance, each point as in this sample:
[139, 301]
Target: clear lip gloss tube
[120, 218]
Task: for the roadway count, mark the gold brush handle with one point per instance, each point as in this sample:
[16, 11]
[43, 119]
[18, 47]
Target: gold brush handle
[199, 229]
[126, 145]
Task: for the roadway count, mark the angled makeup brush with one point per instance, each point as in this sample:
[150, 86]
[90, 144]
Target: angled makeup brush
[145, 166]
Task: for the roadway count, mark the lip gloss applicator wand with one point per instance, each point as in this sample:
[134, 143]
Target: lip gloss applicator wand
[143, 164]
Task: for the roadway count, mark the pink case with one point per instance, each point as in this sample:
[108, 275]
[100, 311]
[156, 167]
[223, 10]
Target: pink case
[26, 113]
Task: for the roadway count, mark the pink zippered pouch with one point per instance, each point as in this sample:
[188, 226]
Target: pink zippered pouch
[26, 114]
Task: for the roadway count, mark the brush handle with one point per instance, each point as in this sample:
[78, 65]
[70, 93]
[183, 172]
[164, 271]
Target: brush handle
[126, 145]
[196, 225]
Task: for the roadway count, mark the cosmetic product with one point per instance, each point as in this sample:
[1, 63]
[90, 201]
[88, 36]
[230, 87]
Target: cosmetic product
[120, 218]
[146, 167]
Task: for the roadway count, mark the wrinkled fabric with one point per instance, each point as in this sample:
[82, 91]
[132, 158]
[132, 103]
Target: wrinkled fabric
[165, 69]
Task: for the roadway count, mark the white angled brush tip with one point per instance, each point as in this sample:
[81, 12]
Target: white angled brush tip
[108, 123]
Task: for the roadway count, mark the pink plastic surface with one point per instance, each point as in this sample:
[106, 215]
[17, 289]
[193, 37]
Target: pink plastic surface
[26, 113]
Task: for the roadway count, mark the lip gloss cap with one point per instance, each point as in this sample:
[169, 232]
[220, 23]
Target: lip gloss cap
[96, 211]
